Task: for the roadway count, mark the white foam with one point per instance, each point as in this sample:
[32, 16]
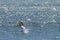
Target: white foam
[28, 19]
[44, 22]
[54, 9]
[53, 21]
[57, 37]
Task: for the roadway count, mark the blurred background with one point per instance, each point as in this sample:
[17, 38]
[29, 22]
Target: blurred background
[41, 18]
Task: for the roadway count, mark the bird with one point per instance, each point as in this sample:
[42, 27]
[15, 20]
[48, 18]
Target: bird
[24, 29]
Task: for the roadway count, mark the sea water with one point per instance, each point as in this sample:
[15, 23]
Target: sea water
[41, 18]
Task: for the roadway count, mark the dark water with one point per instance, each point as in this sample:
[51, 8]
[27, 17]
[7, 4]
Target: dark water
[41, 18]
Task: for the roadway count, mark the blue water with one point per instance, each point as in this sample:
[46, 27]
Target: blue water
[41, 18]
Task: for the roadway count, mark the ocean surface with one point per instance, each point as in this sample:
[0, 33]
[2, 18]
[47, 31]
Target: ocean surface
[41, 18]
